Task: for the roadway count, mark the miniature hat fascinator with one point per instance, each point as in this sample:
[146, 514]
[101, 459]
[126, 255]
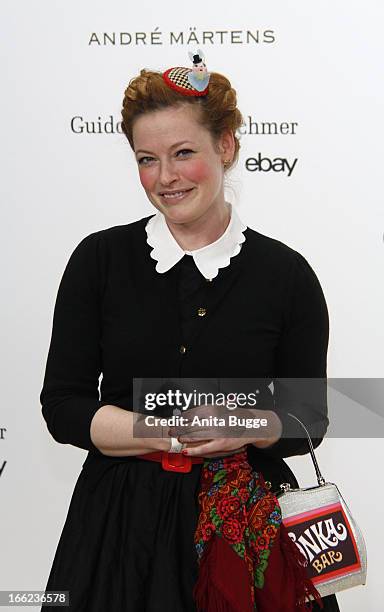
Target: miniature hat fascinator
[189, 81]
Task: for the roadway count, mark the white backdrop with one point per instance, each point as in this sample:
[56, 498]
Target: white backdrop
[317, 65]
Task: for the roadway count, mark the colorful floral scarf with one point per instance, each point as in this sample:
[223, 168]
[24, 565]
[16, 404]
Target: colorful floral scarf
[240, 540]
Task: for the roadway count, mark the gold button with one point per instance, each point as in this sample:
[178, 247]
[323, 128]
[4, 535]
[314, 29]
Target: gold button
[268, 484]
[182, 349]
[201, 312]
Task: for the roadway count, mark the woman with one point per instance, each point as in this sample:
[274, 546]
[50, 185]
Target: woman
[189, 292]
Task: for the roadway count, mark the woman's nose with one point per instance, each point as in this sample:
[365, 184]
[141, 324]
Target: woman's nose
[168, 173]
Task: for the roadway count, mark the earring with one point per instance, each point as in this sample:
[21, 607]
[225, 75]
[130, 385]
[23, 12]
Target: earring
[226, 162]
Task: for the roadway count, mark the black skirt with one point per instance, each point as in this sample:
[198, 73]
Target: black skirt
[127, 542]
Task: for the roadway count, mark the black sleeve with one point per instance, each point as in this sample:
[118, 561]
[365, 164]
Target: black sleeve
[70, 393]
[300, 386]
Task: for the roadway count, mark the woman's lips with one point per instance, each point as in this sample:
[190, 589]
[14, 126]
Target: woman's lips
[177, 197]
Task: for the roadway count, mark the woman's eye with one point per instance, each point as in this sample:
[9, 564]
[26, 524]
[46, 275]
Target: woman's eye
[141, 160]
[187, 151]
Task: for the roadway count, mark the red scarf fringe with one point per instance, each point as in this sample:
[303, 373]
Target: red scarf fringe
[296, 562]
[223, 575]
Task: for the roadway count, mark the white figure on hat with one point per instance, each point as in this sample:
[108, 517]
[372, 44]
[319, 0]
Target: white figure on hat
[199, 76]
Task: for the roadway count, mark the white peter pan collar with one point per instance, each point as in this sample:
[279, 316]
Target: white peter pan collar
[208, 259]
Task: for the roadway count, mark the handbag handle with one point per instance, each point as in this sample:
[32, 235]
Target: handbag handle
[319, 476]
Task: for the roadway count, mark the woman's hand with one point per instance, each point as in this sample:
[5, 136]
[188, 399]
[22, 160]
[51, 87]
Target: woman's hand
[206, 439]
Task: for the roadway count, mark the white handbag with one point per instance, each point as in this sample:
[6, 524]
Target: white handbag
[320, 523]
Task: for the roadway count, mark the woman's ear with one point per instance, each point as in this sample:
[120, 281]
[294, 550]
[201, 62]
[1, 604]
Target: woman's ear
[227, 144]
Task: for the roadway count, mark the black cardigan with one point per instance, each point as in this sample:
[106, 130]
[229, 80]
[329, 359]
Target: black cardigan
[266, 318]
